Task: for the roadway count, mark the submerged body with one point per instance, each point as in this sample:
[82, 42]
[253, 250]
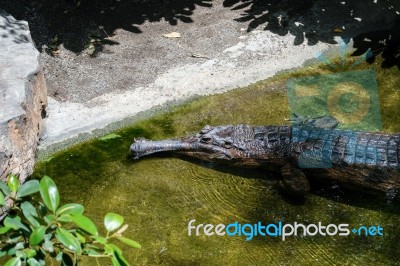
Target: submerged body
[369, 161]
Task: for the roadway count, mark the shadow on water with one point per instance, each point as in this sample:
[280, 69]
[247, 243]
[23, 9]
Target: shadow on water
[372, 24]
[271, 176]
[158, 196]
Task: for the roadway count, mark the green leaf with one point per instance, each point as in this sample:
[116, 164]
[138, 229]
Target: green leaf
[100, 239]
[48, 236]
[33, 262]
[64, 218]
[81, 238]
[30, 213]
[15, 238]
[13, 183]
[48, 246]
[115, 262]
[108, 250]
[121, 259]
[70, 208]
[50, 218]
[68, 240]
[59, 256]
[94, 247]
[14, 262]
[4, 229]
[30, 253]
[28, 188]
[117, 252]
[4, 188]
[48, 159]
[2, 199]
[113, 221]
[84, 223]
[26, 253]
[110, 136]
[93, 253]
[28, 209]
[37, 235]
[21, 254]
[49, 193]
[16, 248]
[129, 242]
[15, 223]
[115, 249]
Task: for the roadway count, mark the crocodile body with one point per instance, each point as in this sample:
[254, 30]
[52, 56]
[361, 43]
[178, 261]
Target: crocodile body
[369, 161]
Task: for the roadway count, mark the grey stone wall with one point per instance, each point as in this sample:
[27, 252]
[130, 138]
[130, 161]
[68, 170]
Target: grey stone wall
[23, 98]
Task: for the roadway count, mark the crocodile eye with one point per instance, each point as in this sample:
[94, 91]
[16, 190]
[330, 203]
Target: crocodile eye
[206, 139]
[228, 141]
[227, 145]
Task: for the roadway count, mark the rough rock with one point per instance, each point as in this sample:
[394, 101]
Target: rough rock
[23, 98]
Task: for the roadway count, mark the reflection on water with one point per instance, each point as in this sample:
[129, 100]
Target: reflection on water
[158, 196]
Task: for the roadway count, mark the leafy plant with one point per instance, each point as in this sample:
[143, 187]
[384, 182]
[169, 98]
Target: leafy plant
[35, 230]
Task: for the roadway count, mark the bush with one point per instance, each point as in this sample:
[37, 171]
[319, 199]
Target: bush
[35, 230]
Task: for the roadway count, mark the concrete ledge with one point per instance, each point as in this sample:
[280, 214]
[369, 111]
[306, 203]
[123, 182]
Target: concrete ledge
[258, 56]
[23, 98]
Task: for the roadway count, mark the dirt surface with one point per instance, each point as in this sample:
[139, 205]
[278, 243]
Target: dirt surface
[132, 57]
[108, 60]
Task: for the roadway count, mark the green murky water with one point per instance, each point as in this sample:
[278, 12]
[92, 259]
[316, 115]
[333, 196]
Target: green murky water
[159, 196]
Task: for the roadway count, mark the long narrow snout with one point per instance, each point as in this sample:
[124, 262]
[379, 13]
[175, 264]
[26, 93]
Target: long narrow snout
[144, 147]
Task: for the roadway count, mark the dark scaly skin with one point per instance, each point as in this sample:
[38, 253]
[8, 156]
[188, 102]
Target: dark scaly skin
[363, 160]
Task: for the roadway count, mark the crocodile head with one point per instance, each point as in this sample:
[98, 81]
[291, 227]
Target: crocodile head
[240, 145]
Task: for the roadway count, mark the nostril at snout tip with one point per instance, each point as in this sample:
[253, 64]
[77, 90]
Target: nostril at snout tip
[135, 154]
